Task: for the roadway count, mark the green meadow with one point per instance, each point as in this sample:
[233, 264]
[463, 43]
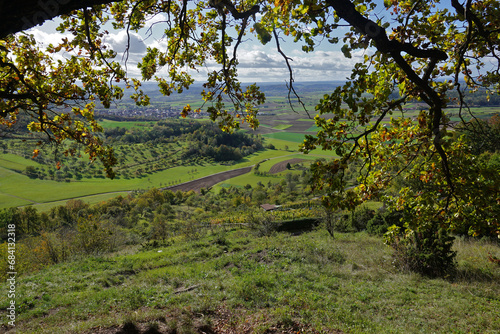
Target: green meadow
[17, 189]
[107, 124]
[230, 280]
[286, 136]
[282, 126]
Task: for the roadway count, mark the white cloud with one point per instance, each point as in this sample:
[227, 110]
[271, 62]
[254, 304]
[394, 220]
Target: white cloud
[45, 38]
[120, 41]
[315, 66]
[257, 62]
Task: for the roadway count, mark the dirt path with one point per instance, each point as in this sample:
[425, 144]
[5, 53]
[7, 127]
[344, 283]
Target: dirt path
[281, 166]
[209, 181]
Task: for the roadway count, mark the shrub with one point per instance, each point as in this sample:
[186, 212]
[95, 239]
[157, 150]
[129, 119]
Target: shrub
[360, 218]
[427, 251]
[93, 237]
[261, 224]
[382, 220]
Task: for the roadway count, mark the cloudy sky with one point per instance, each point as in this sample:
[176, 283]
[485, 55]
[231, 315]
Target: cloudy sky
[257, 62]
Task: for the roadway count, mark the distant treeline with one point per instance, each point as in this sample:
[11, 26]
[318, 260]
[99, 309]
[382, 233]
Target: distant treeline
[161, 131]
[205, 139]
[142, 150]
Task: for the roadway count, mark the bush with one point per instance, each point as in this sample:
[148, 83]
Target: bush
[382, 220]
[93, 237]
[360, 218]
[427, 251]
[262, 225]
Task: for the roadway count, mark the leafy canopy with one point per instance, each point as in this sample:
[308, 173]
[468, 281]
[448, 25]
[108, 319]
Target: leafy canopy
[432, 53]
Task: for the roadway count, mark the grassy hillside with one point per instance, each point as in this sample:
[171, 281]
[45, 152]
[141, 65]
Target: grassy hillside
[233, 281]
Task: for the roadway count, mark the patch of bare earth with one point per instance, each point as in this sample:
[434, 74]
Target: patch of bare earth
[209, 181]
[281, 166]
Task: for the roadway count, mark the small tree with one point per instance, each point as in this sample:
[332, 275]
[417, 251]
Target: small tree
[159, 228]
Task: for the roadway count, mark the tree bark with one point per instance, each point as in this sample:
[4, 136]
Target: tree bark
[20, 15]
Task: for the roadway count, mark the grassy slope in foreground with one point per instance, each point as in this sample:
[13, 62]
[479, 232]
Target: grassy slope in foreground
[235, 279]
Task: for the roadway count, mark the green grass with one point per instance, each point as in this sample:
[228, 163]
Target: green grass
[92, 199]
[266, 165]
[313, 129]
[288, 136]
[18, 189]
[282, 126]
[282, 144]
[236, 280]
[243, 180]
[16, 162]
[107, 124]
[13, 201]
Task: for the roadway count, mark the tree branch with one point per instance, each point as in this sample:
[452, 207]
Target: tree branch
[290, 87]
[346, 10]
[21, 15]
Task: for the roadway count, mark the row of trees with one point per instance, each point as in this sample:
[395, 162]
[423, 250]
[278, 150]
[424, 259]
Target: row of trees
[142, 150]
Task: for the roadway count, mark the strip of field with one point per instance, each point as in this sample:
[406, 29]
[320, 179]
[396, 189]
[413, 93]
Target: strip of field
[15, 162]
[92, 199]
[313, 128]
[243, 180]
[12, 201]
[288, 136]
[282, 126]
[108, 124]
[209, 181]
[281, 166]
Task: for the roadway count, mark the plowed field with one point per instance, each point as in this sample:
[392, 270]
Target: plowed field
[209, 181]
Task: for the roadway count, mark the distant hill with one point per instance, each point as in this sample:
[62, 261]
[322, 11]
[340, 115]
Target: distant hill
[269, 88]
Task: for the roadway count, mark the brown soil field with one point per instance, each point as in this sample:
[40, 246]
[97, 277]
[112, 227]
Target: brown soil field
[262, 130]
[281, 166]
[209, 181]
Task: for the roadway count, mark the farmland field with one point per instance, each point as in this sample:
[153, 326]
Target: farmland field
[247, 179]
[282, 126]
[287, 136]
[106, 123]
[281, 166]
[17, 189]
